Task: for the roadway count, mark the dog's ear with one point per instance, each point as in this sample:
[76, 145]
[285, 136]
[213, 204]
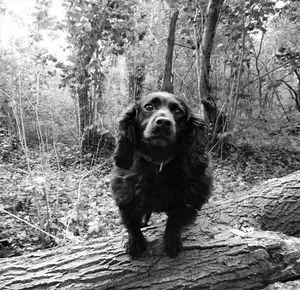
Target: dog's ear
[196, 142]
[126, 142]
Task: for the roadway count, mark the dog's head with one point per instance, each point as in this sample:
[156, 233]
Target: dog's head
[161, 118]
[162, 121]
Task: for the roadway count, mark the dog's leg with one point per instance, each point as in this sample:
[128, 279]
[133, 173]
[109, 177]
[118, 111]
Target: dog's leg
[177, 218]
[137, 243]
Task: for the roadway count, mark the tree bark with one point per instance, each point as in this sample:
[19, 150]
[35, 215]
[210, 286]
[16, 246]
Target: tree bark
[271, 206]
[226, 248]
[209, 31]
[203, 53]
[295, 93]
[168, 85]
[83, 89]
[136, 80]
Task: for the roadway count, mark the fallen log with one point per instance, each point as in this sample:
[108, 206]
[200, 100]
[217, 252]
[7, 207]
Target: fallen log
[273, 205]
[219, 251]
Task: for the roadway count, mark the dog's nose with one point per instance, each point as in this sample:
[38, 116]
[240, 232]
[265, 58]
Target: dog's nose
[163, 122]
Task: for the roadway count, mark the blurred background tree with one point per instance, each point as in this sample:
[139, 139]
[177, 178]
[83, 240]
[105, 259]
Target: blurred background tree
[236, 63]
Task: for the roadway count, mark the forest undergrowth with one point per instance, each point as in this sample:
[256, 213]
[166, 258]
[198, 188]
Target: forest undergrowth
[68, 195]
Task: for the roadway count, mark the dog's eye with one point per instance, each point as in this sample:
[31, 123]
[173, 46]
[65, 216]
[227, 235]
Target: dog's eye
[178, 112]
[149, 108]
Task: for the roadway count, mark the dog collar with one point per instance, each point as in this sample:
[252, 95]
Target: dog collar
[161, 164]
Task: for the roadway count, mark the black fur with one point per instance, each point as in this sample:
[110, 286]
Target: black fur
[160, 128]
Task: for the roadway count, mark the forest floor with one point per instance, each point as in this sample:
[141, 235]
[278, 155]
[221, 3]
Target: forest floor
[65, 196]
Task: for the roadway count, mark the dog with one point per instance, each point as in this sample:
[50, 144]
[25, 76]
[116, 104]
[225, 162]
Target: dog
[161, 165]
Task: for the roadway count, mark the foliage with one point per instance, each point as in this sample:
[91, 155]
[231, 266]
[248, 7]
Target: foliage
[246, 75]
[96, 29]
[46, 197]
[33, 106]
[25, 91]
[247, 81]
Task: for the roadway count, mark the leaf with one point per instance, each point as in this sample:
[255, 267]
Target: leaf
[185, 31]
[87, 27]
[93, 227]
[39, 179]
[78, 9]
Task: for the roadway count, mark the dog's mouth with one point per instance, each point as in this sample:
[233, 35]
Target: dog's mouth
[159, 139]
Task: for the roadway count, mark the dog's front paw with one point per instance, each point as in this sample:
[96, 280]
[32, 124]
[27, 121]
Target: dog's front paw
[136, 245]
[172, 245]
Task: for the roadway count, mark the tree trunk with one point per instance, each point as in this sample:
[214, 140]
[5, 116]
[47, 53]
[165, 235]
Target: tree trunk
[136, 80]
[295, 93]
[136, 69]
[83, 101]
[226, 248]
[271, 206]
[212, 113]
[168, 85]
[216, 118]
[86, 97]
[83, 89]
[209, 30]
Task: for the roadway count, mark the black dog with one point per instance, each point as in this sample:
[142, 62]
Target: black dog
[161, 166]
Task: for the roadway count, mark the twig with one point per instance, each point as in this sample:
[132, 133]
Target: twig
[276, 93]
[31, 225]
[79, 193]
[276, 68]
[186, 46]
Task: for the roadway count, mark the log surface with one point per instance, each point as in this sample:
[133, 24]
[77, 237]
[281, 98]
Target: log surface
[219, 251]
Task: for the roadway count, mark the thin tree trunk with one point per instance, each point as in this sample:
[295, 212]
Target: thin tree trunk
[168, 85]
[85, 98]
[136, 70]
[295, 93]
[226, 248]
[204, 46]
[212, 113]
[209, 30]
[136, 80]
[236, 95]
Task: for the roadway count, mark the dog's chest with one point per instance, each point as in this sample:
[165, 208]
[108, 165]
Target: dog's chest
[160, 193]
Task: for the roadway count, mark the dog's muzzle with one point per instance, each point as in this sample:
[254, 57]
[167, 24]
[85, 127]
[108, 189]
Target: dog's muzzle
[161, 128]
